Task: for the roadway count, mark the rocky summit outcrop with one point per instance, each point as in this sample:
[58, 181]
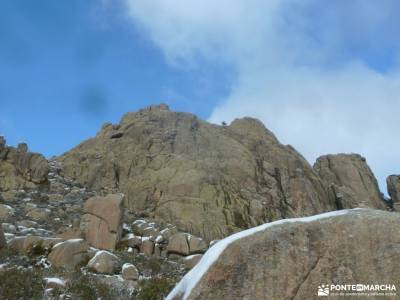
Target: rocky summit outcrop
[207, 179]
[101, 223]
[20, 168]
[349, 181]
[393, 187]
[289, 259]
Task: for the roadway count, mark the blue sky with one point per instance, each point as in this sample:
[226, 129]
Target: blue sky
[323, 76]
[69, 66]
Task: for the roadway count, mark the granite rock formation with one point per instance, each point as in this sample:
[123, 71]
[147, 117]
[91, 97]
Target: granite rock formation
[101, 223]
[209, 180]
[349, 181]
[289, 259]
[20, 168]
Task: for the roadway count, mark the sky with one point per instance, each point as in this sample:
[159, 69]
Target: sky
[324, 76]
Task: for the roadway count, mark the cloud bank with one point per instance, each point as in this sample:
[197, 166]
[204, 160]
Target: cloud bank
[324, 76]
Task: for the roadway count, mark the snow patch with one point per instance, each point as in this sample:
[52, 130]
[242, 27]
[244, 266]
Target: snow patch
[44, 263]
[140, 221]
[67, 241]
[159, 239]
[190, 280]
[3, 266]
[129, 236]
[165, 230]
[126, 227]
[55, 280]
[192, 256]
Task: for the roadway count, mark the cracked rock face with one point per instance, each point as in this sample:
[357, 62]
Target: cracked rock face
[349, 181]
[209, 180]
[290, 261]
[20, 168]
[101, 223]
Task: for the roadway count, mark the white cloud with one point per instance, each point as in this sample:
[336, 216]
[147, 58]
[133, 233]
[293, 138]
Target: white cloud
[305, 68]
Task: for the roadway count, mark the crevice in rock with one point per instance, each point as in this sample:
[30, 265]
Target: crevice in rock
[305, 278]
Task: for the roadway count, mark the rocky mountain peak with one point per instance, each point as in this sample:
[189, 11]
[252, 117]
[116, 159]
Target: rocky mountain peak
[252, 128]
[210, 180]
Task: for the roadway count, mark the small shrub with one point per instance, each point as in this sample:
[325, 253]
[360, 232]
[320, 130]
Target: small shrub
[21, 284]
[82, 264]
[86, 288]
[6, 253]
[154, 289]
[154, 264]
[37, 250]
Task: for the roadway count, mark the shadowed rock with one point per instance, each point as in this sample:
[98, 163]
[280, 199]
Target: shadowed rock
[393, 186]
[3, 242]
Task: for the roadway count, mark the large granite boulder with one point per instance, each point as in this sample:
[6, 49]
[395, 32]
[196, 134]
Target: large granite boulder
[101, 223]
[69, 254]
[20, 168]
[104, 262]
[349, 181]
[207, 179]
[178, 244]
[393, 187]
[129, 272]
[289, 259]
[27, 244]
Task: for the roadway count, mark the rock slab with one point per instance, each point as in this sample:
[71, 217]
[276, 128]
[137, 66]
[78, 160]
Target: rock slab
[101, 223]
[69, 254]
[289, 259]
